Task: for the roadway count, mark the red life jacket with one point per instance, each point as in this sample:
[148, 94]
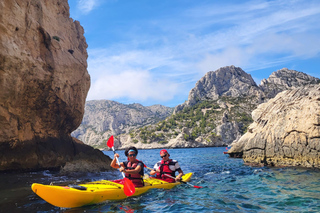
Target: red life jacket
[137, 179]
[165, 169]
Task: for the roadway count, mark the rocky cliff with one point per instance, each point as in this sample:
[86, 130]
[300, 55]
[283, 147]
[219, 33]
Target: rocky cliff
[218, 110]
[285, 131]
[285, 79]
[44, 83]
[228, 81]
[104, 118]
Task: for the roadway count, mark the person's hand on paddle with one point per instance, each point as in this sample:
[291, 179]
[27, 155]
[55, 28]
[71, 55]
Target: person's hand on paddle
[178, 179]
[153, 171]
[114, 161]
[122, 169]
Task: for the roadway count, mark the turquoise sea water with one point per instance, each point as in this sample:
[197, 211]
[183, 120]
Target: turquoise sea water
[229, 186]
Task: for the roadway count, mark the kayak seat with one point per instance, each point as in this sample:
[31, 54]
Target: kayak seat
[78, 187]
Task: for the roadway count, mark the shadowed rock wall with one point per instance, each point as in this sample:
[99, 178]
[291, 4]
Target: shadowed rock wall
[43, 84]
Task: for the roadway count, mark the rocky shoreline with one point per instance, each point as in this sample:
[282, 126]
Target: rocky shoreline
[285, 131]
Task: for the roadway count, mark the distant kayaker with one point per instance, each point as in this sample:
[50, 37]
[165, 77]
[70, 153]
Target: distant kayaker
[133, 168]
[166, 168]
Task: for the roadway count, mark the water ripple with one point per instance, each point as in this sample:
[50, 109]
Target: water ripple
[228, 186]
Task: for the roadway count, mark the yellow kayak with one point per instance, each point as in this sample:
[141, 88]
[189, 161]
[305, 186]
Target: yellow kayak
[95, 192]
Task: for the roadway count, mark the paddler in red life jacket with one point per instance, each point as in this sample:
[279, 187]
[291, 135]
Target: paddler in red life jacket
[167, 167]
[133, 168]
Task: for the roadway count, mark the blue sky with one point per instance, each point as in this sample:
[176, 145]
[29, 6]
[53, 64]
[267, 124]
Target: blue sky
[154, 51]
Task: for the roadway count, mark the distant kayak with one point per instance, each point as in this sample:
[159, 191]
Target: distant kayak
[72, 196]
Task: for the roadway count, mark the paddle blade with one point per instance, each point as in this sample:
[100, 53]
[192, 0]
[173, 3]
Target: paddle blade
[128, 187]
[198, 187]
[110, 142]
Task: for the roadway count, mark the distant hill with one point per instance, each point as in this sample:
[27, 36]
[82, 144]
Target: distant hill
[104, 118]
[217, 112]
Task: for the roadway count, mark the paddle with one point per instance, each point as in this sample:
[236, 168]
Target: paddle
[198, 187]
[128, 186]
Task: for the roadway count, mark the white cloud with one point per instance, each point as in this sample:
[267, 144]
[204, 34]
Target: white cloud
[229, 56]
[183, 47]
[129, 75]
[265, 51]
[86, 6]
[132, 85]
[280, 34]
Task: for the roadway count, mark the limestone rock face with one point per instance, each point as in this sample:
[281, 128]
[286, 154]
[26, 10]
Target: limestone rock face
[285, 132]
[285, 79]
[44, 83]
[231, 96]
[124, 141]
[227, 81]
[104, 118]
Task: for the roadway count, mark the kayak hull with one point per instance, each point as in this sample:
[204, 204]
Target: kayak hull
[95, 192]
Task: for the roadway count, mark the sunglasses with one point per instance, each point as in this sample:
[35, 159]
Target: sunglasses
[164, 156]
[132, 155]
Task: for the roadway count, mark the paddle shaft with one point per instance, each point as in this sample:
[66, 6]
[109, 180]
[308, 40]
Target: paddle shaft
[180, 180]
[117, 161]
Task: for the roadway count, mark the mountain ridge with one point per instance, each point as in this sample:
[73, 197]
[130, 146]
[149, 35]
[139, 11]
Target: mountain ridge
[217, 112]
[103, 118]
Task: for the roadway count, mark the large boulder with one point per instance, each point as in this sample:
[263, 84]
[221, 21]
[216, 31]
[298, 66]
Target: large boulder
[285, 131]
[44, 84]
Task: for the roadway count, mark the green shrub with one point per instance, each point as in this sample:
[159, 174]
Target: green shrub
[135, 141]
[56, 38]
[186, 137]
[163, 142]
